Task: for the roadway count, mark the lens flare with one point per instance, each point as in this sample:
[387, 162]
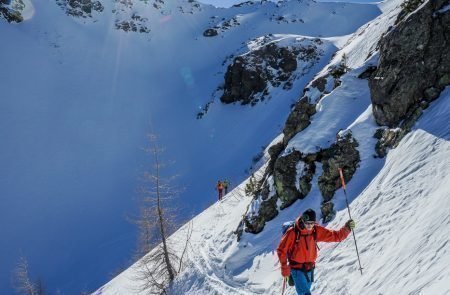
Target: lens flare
[165, 19]
[187, 76]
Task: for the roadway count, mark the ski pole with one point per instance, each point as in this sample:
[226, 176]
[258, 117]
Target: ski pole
[284, 286]
[349, 215]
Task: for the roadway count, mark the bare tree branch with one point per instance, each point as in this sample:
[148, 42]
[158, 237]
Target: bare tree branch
[21, 277]
[156, 268]
[186, 245]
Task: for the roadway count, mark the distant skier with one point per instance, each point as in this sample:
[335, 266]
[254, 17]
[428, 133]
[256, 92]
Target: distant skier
[226, 183]
[297, 250]
[219, 188]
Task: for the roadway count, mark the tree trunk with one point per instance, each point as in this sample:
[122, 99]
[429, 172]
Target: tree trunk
[161, 223]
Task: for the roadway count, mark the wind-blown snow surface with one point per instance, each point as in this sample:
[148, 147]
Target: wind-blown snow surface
[403, 220]
[402, 225]
[78, 98]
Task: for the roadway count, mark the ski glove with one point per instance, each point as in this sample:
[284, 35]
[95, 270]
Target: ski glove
[285, 270]
[350, 224]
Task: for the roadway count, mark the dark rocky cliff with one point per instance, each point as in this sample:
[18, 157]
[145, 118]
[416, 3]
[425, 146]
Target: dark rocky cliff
[414, 64]
[249, 76]
[11, 11]
[414, 68]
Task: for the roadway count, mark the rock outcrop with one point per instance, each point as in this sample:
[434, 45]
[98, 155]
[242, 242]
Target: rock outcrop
[299, 118]
[243, 81]
[80, 8]
[222, 27]
[285, 174]
[342, 154]
[249, 76]
[135, 24]
[256, 218]
[210, 33]
[289, 176]
[291, 180]
[390, 137]
[387, 138]
[414, 63]
[11, 11]
[127, 18]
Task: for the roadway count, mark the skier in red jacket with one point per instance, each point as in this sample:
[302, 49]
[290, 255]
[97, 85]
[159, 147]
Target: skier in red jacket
[297, 250]
[219, 188]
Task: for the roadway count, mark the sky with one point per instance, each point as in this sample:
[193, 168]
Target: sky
[78, 99]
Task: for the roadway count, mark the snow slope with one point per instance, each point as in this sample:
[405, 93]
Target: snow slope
[78, 98]
[402, 220]
[400, 205]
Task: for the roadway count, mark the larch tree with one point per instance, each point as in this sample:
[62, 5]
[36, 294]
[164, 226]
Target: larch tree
[161, 258]
[22, 282]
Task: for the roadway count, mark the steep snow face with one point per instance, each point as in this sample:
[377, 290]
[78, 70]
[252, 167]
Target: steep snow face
[78, 98]
[402, 220]
[402, 217]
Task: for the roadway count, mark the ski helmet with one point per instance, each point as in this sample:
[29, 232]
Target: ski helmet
[309, 215]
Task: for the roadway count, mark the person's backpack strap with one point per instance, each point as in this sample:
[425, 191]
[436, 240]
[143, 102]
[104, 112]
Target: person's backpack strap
[297, 232]
[315, 238]
[286, 226]
[294, 226]
[314, 234]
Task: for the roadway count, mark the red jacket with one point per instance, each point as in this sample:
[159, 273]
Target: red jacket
[304, 250]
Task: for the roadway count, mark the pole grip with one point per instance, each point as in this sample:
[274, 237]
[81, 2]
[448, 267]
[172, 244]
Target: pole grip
[342, 178]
